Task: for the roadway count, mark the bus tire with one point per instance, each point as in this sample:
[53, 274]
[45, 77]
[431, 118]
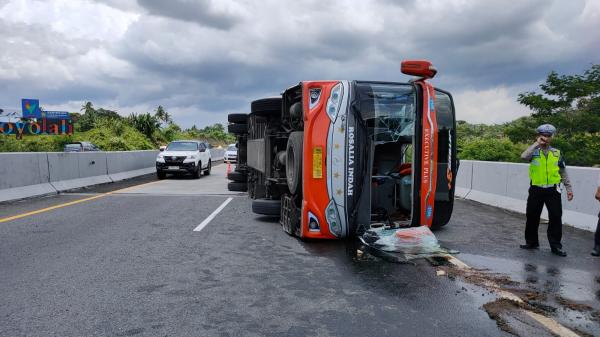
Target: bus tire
[293, 162]
[237, 176]
[266, 207]
[237, 118]
[237, 187]
[237, 129]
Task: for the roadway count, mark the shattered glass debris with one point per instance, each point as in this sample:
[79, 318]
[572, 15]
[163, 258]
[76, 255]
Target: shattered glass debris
[413, 242]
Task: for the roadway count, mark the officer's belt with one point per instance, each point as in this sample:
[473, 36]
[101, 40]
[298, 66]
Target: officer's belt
[545, 186]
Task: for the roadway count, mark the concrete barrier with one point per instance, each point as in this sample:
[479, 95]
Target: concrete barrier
[124, 165]
[464, 177]
[23, 175]
[217, 154]
[69, 170]
[506, 185]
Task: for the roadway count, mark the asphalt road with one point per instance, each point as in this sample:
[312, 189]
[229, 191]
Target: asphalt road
[128, 263]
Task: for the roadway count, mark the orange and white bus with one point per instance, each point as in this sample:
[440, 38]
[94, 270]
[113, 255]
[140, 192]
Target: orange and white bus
[333, 158]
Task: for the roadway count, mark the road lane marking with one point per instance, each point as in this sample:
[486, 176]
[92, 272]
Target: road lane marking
[547, 322]
[70, 203]
[552, 325]
[212, 215]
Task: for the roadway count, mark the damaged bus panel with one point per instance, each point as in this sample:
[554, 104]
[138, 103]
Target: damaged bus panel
[333, 159]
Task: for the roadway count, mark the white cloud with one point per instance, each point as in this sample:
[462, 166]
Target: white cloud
[75, 19]
[491, 106]
[125, 54]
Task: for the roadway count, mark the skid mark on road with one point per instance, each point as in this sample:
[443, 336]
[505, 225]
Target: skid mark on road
[212, 215]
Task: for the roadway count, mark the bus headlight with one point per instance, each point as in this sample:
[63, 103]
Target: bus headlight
[333, 219]
[334, 101]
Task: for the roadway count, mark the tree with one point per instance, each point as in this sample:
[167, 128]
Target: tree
[88, 108]
[564, 91]
[87, 121]
[572, 104]
[162, 115]
[145, 123]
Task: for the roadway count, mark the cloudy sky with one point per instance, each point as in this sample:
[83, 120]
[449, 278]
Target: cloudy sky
[202, 59]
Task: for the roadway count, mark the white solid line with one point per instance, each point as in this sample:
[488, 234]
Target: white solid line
[212, 215]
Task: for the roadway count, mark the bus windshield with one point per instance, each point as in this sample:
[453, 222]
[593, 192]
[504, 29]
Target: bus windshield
[388, 110]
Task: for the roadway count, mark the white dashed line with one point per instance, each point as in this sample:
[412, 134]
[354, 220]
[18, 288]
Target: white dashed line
[212, 215]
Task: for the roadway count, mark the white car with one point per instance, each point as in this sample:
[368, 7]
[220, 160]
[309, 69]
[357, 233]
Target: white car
[184, 156]
[231, 153]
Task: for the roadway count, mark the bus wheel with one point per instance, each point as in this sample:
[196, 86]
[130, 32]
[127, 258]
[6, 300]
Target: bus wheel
[237, 187]
[266, 107]
[266, 207]
[237, 177]
[237, 129]
[293, 164]
[237, 118]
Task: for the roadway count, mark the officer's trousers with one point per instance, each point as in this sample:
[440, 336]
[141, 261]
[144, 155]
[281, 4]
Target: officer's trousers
[538, 197]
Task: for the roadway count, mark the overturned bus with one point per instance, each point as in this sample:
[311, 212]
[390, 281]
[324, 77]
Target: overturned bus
[333, 158]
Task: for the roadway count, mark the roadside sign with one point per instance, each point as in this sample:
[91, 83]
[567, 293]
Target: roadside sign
[31, 108]
[57, 115]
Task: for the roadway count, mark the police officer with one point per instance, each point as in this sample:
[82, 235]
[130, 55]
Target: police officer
[547, 170]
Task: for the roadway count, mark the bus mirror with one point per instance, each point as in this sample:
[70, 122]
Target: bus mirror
[419, 68]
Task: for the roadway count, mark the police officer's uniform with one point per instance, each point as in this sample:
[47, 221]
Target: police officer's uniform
[547, 170]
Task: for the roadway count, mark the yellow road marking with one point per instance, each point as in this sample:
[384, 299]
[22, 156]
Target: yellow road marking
[70, 203]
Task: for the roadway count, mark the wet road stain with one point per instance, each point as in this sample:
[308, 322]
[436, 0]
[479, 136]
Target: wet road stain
[510, 318]
[545, 299]
[131, 332]
[150, 288]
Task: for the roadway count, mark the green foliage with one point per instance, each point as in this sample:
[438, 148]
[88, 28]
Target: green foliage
[115, 135]
[581, 149]
[569, 102]
[145, 123]
[87, 120]
[162, 115]
[491, 149]
[42, 143]
[563, 92]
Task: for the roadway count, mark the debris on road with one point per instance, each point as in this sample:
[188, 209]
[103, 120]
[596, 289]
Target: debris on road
[413, 242]
[440, 273]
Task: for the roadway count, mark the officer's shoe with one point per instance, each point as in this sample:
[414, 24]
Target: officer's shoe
[559, 252]
[596, 251]
[529, 246]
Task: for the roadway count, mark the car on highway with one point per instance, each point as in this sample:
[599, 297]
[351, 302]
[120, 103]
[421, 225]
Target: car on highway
[81, 147]
[231, 153]
[184, 156]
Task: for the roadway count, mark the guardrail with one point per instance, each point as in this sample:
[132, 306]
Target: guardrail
[506, 185]
[28, 174]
